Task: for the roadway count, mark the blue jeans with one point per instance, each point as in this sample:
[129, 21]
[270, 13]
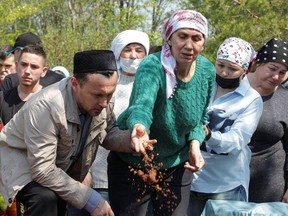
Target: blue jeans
[81, 212]
[198, 200]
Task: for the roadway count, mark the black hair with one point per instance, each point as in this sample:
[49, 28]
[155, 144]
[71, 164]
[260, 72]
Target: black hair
[82, 77]
[3, 51]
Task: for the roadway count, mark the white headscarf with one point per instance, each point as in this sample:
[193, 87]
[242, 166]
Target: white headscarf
[181, 19]
[129, 36]
[61, 69]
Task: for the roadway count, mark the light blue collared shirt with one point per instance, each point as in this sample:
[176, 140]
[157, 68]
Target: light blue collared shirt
[233, 118]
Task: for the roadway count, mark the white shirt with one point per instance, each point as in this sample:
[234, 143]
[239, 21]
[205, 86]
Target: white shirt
[122, 95]
[233, 118]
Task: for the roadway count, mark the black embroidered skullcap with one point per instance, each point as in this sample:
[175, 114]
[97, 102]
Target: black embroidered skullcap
[94, 61]
[275, 50]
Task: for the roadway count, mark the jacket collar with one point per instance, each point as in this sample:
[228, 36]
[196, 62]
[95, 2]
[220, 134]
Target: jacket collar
[71, 107]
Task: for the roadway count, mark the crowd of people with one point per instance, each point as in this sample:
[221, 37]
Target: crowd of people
[143, 131]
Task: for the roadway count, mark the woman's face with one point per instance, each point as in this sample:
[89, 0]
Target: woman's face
[270, 75]
[133, 51]
[228, 69]
[186, 44]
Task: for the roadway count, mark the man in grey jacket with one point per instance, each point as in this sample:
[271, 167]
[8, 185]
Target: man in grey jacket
[46, 150]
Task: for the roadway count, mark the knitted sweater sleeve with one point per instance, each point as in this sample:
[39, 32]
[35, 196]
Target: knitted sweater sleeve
[206, 88]
[144, 93]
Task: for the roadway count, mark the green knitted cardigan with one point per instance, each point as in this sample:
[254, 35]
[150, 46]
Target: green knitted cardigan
[174, 122]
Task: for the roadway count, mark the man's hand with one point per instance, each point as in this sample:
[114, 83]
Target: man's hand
[103, 209]
[140, 139]
[196, 161]
[3, 75]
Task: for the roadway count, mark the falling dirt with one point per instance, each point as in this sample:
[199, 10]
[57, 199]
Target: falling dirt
[153, 179]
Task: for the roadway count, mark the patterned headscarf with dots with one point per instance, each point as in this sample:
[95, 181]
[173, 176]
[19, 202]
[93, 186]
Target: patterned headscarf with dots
[275, 50]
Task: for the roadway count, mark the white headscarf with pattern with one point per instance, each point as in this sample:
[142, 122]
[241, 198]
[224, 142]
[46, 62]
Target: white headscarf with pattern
[237, 51]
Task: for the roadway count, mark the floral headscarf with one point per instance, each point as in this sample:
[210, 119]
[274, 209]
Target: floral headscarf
[237, 51]
[181, 19]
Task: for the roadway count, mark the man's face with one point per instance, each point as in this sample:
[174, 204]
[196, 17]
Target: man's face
[7, 66]
[95, 93]
[30, 68]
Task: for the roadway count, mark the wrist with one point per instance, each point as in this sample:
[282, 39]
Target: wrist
[208, 134]
[94, 200]
[194, 144]
[100, 205]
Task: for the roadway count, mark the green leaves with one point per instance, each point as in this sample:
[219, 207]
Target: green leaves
[68, 26]
[256, 21]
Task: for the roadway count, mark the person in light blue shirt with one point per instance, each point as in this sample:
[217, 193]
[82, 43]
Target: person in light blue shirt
[234, 111]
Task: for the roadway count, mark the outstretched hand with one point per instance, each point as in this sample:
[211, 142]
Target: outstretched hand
[140, 139]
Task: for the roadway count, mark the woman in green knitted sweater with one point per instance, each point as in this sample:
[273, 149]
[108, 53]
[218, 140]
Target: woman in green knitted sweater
[168, 101]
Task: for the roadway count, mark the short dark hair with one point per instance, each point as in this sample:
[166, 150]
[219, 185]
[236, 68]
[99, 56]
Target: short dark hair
[3, 51]
[34, 49]
[82, 77]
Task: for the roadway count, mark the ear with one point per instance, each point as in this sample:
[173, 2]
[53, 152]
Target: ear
[169, 43]
[74, 82]
[44, 71]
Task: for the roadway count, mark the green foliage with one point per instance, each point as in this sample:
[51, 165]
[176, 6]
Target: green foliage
[256, 21]
[68, 26]
[3, 205]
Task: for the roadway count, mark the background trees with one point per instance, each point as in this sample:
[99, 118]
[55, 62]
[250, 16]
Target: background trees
[256, 21]
[68, 26]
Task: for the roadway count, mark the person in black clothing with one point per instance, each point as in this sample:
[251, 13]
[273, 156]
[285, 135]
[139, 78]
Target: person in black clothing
[23, 40]
[7, 62]
[11, 80]
[30, 67]
[269, 143]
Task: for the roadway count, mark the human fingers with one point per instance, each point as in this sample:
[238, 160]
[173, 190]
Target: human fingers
[285, 197]
[196, 161]
[138, 136]
[103, 209]
[148, 145]
[190, 167]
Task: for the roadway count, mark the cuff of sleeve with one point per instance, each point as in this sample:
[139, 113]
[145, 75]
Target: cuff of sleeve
[215, 138]
[93, 201]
